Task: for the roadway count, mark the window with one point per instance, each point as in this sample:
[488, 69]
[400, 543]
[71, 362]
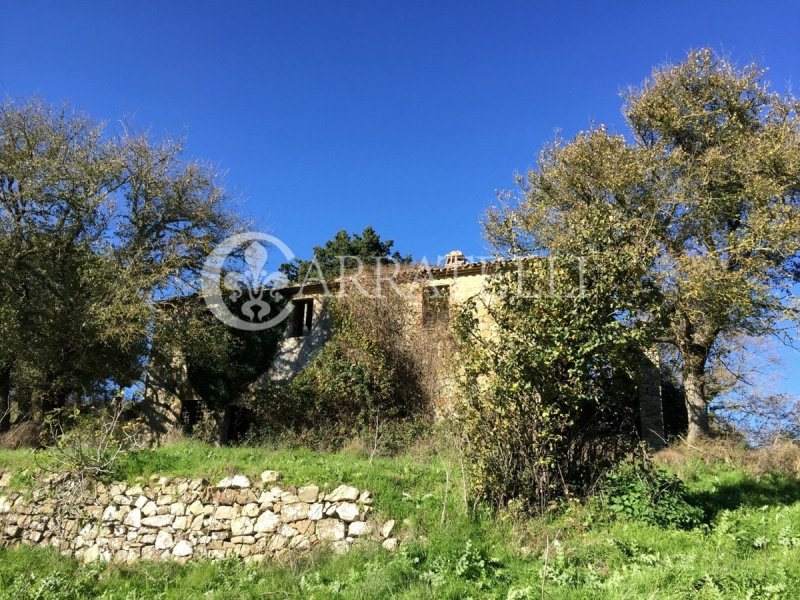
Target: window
[435, 305]
[302, 314]
[191, 413]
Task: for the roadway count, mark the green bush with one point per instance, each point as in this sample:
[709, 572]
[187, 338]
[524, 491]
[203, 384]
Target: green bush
[638, 490]
[549, 399]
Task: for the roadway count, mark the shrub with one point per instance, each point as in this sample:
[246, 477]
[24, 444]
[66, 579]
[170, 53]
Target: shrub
[549, 395]
[637, 489]
[377, 371]
[86, 443]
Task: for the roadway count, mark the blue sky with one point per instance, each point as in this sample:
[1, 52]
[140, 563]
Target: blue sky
[403, 115]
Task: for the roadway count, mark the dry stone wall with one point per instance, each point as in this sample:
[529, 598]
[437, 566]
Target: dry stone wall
[181, 519]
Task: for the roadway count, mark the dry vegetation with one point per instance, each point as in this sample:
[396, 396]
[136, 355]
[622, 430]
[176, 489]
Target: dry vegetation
[781, 457]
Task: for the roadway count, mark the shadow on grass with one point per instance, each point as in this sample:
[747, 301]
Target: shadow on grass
[767, 490]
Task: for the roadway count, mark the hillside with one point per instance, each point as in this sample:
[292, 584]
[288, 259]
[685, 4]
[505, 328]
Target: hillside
[748, 547]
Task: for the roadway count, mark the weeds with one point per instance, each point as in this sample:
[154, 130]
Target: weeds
[636, 489]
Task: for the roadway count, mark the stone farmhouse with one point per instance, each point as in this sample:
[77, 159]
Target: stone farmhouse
[429, 295]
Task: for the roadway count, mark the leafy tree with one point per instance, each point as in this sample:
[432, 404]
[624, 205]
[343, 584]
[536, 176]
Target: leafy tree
[710, 182]
[223, 368]
[366, 247]
[93, 230]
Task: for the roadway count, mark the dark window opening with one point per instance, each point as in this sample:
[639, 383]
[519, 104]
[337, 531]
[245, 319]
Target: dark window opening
[302, 315]
[240, 421]
[436, 305]
[191, 413]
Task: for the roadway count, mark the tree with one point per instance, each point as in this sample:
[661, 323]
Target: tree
[710, 181]
[366, 247]
[93, 230]
[223, 368]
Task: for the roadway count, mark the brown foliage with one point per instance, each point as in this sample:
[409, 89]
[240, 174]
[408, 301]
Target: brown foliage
[781, 457]
[380, 376]
[24, 435]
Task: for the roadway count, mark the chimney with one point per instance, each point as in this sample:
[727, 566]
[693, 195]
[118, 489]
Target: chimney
[454, 259]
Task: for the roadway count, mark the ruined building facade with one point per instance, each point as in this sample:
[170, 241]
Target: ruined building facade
[430, 295]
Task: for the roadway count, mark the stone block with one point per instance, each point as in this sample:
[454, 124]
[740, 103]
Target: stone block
[296, 511]
[329, 530]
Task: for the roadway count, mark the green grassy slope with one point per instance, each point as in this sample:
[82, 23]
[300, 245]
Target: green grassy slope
[750, 549]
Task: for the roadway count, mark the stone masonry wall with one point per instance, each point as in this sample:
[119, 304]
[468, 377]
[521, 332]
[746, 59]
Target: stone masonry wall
[180, 519]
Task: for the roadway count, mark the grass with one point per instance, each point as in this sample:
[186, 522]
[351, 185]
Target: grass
[749, 549]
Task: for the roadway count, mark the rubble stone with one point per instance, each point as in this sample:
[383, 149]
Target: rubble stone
[181, 519]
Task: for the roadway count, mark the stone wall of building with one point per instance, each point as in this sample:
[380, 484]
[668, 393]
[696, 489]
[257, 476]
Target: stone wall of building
[651, 414]
[294, 353]
[181, 519]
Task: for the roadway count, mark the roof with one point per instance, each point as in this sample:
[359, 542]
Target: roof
[407, 275]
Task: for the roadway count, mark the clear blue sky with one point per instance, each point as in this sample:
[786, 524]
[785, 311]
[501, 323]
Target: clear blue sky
[403, 115]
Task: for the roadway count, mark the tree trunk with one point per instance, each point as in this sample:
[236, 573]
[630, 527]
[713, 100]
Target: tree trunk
[694, 346]
[224, 425]
[37, 407]
[5, 399]
[696, 404]
[42, 403]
